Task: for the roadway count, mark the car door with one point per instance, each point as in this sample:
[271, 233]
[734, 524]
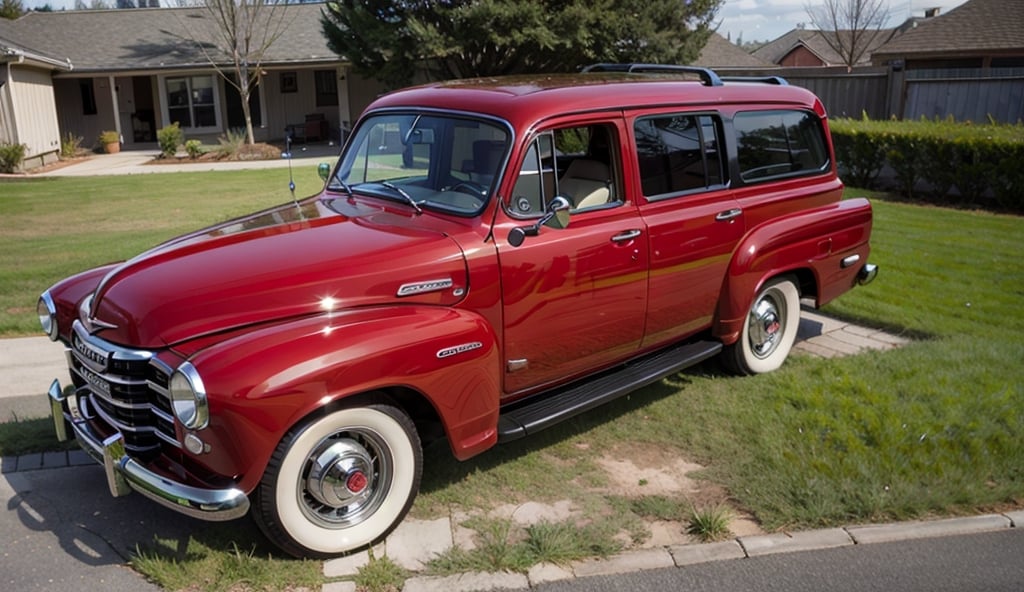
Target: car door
[574, 298]
[693, 220]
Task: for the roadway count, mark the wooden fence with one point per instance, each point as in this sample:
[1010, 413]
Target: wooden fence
[881, 93]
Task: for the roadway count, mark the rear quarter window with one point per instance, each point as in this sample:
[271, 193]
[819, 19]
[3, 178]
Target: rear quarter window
[782, 143]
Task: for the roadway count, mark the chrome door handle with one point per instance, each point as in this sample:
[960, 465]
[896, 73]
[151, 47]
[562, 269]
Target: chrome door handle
[728, 214]
[625, 236]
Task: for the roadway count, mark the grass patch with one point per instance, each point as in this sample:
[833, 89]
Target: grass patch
[224, 558]
[710, 524]
[504, 546]
[381, 575]
[25, 436]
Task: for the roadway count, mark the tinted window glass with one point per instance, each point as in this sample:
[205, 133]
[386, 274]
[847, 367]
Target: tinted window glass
[779, 143]
[678, 153]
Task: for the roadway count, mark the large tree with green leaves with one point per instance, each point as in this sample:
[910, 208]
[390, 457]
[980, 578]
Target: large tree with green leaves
[392, 40]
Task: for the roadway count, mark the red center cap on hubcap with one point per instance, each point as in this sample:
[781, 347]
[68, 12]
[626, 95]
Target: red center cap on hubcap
[356, 482]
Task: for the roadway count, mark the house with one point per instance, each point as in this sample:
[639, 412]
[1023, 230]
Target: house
[28, 113]
[135, 71]
[810, 48]
[720, 53]
[979, 34]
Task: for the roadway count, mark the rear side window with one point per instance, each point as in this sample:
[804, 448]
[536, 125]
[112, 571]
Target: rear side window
[678, 153]
[772, 144]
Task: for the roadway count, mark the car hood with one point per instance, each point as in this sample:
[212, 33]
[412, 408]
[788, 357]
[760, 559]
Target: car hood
[294, 260]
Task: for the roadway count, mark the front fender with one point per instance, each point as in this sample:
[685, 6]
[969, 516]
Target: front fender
[260, 384]
[816, 241]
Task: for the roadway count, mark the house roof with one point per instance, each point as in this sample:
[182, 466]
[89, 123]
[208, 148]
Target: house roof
[10, 51]
[152, 38]
[978, 26]
[817, 42]
[721, 53]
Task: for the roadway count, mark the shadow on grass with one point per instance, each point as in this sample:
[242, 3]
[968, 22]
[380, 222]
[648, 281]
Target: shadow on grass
[442, 469]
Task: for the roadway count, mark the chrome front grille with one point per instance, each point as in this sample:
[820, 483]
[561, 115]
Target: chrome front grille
[125, 388]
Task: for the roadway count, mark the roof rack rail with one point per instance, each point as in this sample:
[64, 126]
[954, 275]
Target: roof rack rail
[779, 80]
[707, 76]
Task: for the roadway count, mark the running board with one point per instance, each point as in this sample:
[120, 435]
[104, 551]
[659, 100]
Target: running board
[550, 407]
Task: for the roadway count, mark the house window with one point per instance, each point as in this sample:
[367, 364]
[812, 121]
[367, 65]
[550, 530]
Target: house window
[191, 101]
[289, 82]
[88, 97]
[326, 88]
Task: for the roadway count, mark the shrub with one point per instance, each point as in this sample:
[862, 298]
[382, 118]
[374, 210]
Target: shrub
[980, 161]
[70, 145]
[170, 137]
[231, 143]
[194, 148]
[11, 156]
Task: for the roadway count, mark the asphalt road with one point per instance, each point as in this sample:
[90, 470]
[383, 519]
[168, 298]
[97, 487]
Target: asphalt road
[989, 562]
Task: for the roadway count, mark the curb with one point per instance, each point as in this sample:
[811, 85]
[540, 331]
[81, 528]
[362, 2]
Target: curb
[680, 556]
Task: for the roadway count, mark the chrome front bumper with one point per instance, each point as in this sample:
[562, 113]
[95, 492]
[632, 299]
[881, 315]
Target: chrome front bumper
[125, 474]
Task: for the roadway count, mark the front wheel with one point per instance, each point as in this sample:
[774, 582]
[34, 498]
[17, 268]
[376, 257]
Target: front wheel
[340, 482]
[769, 331]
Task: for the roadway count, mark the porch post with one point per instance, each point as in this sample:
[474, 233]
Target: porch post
[116, 108]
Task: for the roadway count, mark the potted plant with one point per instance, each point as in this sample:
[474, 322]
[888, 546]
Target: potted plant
[111, 142]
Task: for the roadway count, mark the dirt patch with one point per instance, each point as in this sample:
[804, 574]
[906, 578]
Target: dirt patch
[640, 470]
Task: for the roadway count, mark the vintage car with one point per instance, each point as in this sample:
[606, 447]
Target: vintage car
[487, 258]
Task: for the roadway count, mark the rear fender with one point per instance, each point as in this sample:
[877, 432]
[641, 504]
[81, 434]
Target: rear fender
[262, 383]
[818, 244]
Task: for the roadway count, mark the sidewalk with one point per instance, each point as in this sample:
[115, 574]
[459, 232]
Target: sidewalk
[133, 162]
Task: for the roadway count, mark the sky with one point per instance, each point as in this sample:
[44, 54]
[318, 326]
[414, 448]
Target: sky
[765, 20]
[749, 20]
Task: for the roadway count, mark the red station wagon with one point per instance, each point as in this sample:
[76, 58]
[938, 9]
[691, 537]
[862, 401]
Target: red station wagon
[488, 258]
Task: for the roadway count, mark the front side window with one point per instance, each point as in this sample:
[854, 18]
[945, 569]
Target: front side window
[431, 160]
[772, 144]
[191, 101]
[577, 163]
[678, 153]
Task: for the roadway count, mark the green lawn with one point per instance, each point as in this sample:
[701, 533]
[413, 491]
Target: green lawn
[933, 428]
[53, 227]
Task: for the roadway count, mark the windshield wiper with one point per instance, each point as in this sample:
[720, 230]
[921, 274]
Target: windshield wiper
[404, 194]
[344, 185]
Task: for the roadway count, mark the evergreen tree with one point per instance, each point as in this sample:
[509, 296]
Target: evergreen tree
[391, 40]
[11, 9]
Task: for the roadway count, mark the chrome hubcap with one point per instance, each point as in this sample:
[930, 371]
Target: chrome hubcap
[346, 478]
[764, 325]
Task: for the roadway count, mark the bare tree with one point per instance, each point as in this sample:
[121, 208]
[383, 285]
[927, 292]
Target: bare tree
[854, 25]
[235, 38]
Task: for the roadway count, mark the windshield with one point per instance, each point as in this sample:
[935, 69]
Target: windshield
[426, 160]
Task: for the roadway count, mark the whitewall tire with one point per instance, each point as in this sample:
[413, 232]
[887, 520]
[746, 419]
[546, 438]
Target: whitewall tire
[769, 330]
[340, 482]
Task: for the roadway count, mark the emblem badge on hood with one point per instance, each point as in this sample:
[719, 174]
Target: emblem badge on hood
[427, 286]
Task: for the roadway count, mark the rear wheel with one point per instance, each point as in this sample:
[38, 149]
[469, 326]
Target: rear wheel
[340, 482]
[769, 331]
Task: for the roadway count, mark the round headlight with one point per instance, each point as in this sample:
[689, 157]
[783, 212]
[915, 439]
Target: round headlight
[188, 397]
[47, 315]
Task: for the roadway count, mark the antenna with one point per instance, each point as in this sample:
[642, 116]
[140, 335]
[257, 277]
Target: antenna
[291, 178]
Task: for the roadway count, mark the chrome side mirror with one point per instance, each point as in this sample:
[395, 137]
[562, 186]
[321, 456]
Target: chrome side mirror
[556, 216]
[324, 170]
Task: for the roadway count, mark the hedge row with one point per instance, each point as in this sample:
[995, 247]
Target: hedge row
[928, 159]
